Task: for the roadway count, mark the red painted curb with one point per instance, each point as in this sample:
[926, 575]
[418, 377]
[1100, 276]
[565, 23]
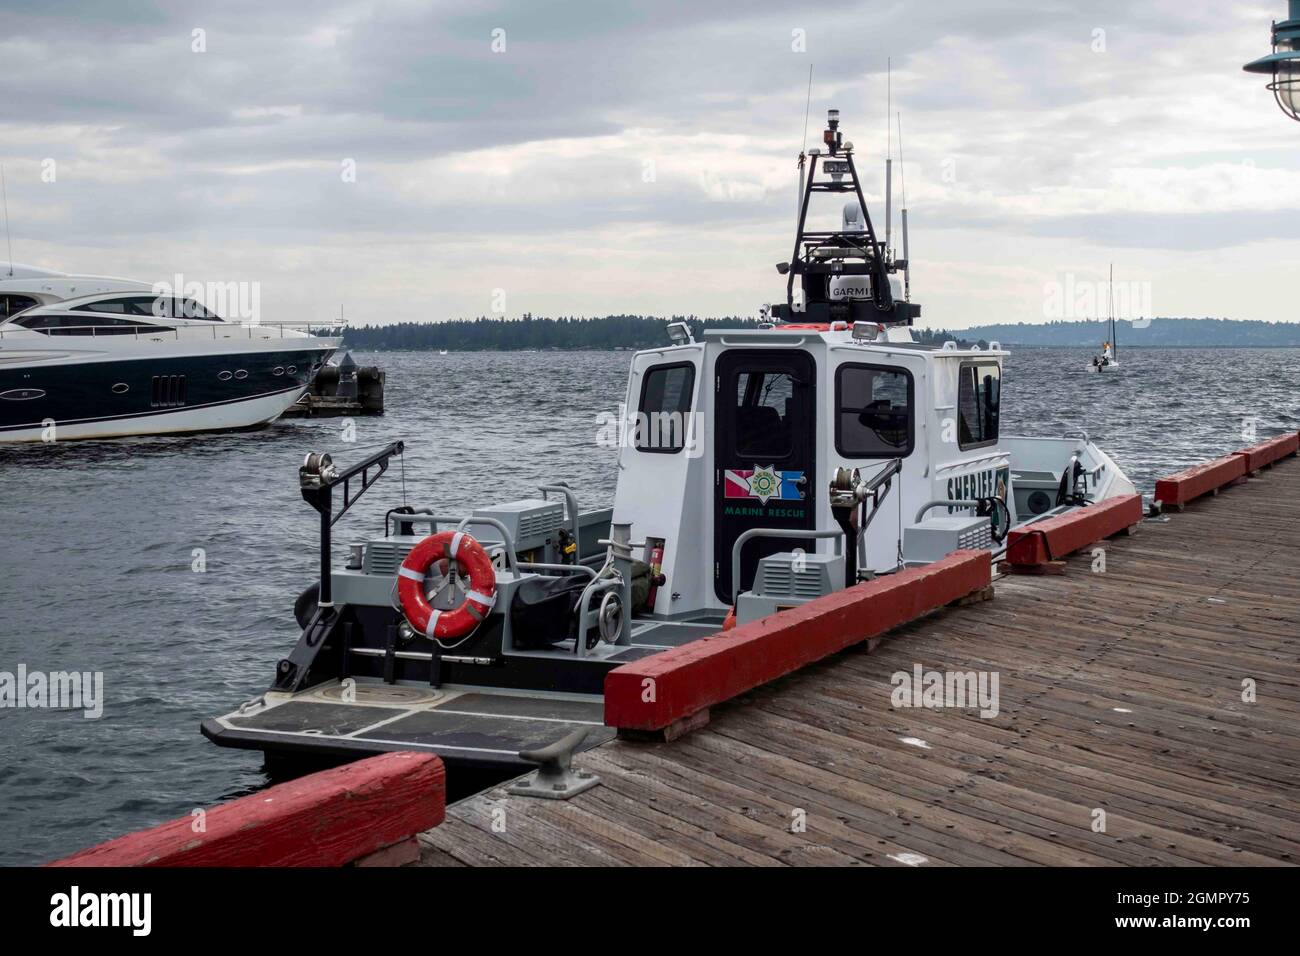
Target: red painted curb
[329, 818]
[1053, 538]
[1267, 452]
[1199, 480]
[687, 679]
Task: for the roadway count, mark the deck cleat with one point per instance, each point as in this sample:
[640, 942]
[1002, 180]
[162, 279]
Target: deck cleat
[554, 778]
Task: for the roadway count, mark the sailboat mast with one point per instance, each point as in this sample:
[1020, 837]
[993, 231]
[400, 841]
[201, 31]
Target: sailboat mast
[1114, 342]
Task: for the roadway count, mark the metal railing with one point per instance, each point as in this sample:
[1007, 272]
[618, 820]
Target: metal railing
[173, 333]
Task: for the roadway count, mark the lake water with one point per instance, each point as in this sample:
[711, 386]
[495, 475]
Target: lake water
[99, 544]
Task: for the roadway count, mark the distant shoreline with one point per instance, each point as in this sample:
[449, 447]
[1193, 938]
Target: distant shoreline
[633, 332]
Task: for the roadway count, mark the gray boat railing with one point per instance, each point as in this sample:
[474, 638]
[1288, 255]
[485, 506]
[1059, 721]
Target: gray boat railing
[174, 332]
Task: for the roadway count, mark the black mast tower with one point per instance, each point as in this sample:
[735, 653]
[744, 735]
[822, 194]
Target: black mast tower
[821, 257]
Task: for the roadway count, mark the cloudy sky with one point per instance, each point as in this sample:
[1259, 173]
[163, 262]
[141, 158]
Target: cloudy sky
[597, 156]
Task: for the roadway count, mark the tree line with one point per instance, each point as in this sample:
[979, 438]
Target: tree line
[537, 332]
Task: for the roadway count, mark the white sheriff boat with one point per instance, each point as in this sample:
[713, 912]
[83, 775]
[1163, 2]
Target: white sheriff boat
[774, 464]
[98, 357]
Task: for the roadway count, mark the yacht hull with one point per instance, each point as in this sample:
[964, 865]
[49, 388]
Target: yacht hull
[60, 401]
[236, 415]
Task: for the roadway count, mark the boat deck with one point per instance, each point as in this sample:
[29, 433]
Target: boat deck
[1120, 692]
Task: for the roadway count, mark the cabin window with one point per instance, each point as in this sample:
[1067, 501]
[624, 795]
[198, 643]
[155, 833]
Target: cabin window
[873, 411]
[664, 414]
[110, 306]
[979, 394]
[150, 306]
[80, 324]
[763, 414]
[168, 307]
[13, 304]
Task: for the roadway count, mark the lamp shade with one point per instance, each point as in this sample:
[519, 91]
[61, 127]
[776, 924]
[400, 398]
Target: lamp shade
[1284, 68]
[1283, 64]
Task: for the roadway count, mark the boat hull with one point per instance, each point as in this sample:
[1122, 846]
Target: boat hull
[78, 400]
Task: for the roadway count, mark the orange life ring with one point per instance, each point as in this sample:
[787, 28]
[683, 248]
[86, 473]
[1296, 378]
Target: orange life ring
[460, 621]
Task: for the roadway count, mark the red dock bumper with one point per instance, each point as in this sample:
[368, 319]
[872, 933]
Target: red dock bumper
[1054, 538]
[1199, 480]
[331, 818]
[1265, 453]
[654, 693]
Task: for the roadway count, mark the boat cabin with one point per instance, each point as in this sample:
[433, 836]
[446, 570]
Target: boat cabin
[746, 429]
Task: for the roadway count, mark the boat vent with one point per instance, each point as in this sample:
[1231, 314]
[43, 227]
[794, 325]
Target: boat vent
[788, 579]
[981, 537]
[941, 535]
[784, 580]
[540, 524]
[385, 557]
[530, 522]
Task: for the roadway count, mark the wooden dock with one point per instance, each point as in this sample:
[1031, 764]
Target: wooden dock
[1122, 736]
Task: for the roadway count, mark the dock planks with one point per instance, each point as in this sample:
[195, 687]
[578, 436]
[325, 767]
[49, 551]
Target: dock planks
[1118, 691]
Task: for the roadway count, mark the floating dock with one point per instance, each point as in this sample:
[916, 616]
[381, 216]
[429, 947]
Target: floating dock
[1148, 714]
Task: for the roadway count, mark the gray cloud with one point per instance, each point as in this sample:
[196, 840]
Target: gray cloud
[241, 145]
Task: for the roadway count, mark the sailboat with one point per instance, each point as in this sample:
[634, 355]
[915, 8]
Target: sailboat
[1109, 358]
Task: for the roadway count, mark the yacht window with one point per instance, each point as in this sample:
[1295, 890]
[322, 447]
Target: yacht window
[81, 324]
[979, 395]
[873, 412]
[170, 307]
[150, 306]
[763, 414]
[665, 411]
[111, 306]
[13, 304]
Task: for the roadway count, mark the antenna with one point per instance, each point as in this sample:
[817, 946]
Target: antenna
[806, 109]
[889, 153]
[798, 206]
[4, 190]
[902, 181]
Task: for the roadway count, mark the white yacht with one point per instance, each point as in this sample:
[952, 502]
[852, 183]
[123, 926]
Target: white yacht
[102, 357]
